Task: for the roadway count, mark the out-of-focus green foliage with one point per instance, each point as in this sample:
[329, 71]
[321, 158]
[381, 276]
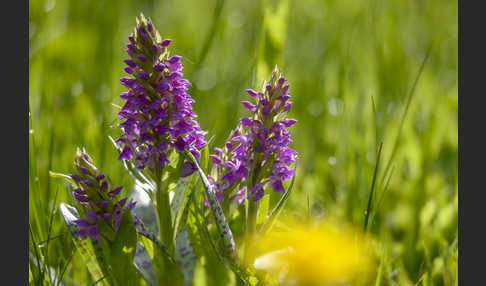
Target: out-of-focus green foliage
[339, 57]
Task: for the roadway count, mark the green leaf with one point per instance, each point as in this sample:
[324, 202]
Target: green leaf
[229, 249]
[204, 159]
[84, 246]
[69, 214]
[176, 202]
[267, 225]
[167, 271]
[263, 209]
[31, 277]
[215, 266]
[228, 256]
[148, 244]
[205, 246]
[181, 200]
[62, 176]
[144, 265]
[172, 171]
[141, 181]
[185, 256]
[122, 251]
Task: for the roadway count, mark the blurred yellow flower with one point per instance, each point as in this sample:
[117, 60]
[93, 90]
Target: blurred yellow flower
[316, 254]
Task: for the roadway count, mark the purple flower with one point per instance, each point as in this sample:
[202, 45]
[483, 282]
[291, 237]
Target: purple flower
[256, 192]
[128, 70]
[104, 185]
[104, 204]
[142, 57]
[277, 186]
[188, 168]
[130, 63]
[289, 122]
[155, 49]
[165, 42]
[240, 196]
[159, 67]
[216, 159]
[84, 170]
[157, 116]
[126, 153]
[122, 202]
[80, 198]
[144, 75]
[95, 201]
[116, 191]
[106, 216]
[86, 182]
[248, 105]
[75, 177]
[88, 227]
[259, 145]
[246, 121]
[252, 93]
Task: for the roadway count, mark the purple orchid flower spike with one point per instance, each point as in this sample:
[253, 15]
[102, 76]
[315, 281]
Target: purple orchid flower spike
[98, 196]
[157, 114]
[258, 146]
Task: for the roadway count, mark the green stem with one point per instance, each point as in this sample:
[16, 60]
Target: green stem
[164, 216]
[251, 223]
[252, 217]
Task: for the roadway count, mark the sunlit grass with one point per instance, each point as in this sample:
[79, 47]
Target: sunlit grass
[352, 65]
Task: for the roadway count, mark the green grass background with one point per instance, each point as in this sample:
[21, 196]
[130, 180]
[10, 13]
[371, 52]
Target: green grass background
[339, 57]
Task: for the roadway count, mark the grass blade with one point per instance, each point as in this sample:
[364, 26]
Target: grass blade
[382, 195]
[407, 106]
[278, 208]
[211, 35]
[373, 181]
[37, 256]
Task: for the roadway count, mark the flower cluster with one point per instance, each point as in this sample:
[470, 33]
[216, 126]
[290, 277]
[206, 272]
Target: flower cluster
[157, 114]
[257, 152]
[231, 165]
[95, 192]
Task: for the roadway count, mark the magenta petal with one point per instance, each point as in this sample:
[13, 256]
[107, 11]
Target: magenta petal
[248, 105]
[289, 122]
[246, 121]
[188, 168]
[126, 154]
[166, 42]
[251, 92]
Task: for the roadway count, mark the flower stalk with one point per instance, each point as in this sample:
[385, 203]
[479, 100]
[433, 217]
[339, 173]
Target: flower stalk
[163, 210]
[95, 192]
[157, 119]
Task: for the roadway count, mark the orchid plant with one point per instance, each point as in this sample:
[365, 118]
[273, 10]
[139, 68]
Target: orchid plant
[200, 199]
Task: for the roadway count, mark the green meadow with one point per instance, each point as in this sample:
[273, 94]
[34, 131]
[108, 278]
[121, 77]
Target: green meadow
[375, 92]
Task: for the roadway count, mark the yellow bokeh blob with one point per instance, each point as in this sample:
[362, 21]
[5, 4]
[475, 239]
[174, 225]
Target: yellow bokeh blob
[316, 254]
